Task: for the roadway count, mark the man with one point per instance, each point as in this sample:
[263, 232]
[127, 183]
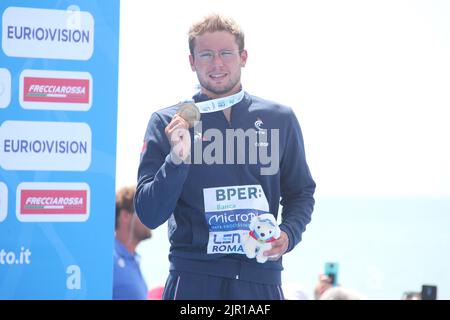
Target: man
[208, 188]
[128, 282]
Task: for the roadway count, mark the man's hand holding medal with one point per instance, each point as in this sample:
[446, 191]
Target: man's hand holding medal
[177, 131]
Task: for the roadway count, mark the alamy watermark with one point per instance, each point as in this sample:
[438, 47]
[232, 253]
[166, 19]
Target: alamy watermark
[237, 146]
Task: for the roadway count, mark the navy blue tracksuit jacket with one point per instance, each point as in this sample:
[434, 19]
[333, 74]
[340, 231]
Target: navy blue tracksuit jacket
[208, 206]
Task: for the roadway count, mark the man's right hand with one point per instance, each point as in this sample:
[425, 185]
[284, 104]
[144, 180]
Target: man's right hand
[177, 131]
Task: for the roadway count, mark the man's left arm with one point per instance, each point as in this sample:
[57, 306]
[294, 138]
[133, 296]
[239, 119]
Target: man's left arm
[297, 190]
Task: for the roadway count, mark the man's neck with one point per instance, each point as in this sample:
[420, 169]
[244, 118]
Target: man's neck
[213, 95]
[227, 113]
[129, 243]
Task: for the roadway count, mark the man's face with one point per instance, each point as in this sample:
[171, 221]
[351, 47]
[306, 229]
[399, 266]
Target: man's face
[139, 230]
[218, 62]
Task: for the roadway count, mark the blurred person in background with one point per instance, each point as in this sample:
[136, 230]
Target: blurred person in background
[128, 282]
[323, 285]
[156, 293]
[325, 290]
[412, 295]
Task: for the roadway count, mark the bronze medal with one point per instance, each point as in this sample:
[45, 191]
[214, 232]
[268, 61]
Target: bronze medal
[189, 112]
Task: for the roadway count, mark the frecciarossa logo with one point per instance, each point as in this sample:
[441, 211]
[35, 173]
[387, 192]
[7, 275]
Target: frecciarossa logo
[52, 202]
[51, 90]
[55, 90]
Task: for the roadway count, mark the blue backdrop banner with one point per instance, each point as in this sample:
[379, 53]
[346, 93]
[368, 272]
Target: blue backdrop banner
[58, 119]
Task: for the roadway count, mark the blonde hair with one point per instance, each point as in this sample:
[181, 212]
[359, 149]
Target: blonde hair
[124, 200]
[212, 23]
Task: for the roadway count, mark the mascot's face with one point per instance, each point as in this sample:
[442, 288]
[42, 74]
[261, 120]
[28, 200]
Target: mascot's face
[265, 227]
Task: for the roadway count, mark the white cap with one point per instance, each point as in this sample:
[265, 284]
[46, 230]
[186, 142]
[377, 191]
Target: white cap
[341, 293]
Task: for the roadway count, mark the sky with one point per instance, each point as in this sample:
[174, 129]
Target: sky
[368, 80]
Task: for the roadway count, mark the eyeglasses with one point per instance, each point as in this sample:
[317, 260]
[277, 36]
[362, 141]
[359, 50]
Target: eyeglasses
[209, 55]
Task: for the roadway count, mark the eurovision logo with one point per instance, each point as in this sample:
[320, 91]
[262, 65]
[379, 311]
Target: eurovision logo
[36, 145]
[55, 90]
[3, 201]
[52, 202]
[47, 33]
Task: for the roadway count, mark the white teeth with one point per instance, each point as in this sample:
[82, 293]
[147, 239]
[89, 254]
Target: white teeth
[218, 75]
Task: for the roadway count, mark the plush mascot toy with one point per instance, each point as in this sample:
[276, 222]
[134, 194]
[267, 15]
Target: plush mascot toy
[263, 230]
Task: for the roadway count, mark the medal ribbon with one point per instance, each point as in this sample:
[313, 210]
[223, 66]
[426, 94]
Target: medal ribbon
[220, 103]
